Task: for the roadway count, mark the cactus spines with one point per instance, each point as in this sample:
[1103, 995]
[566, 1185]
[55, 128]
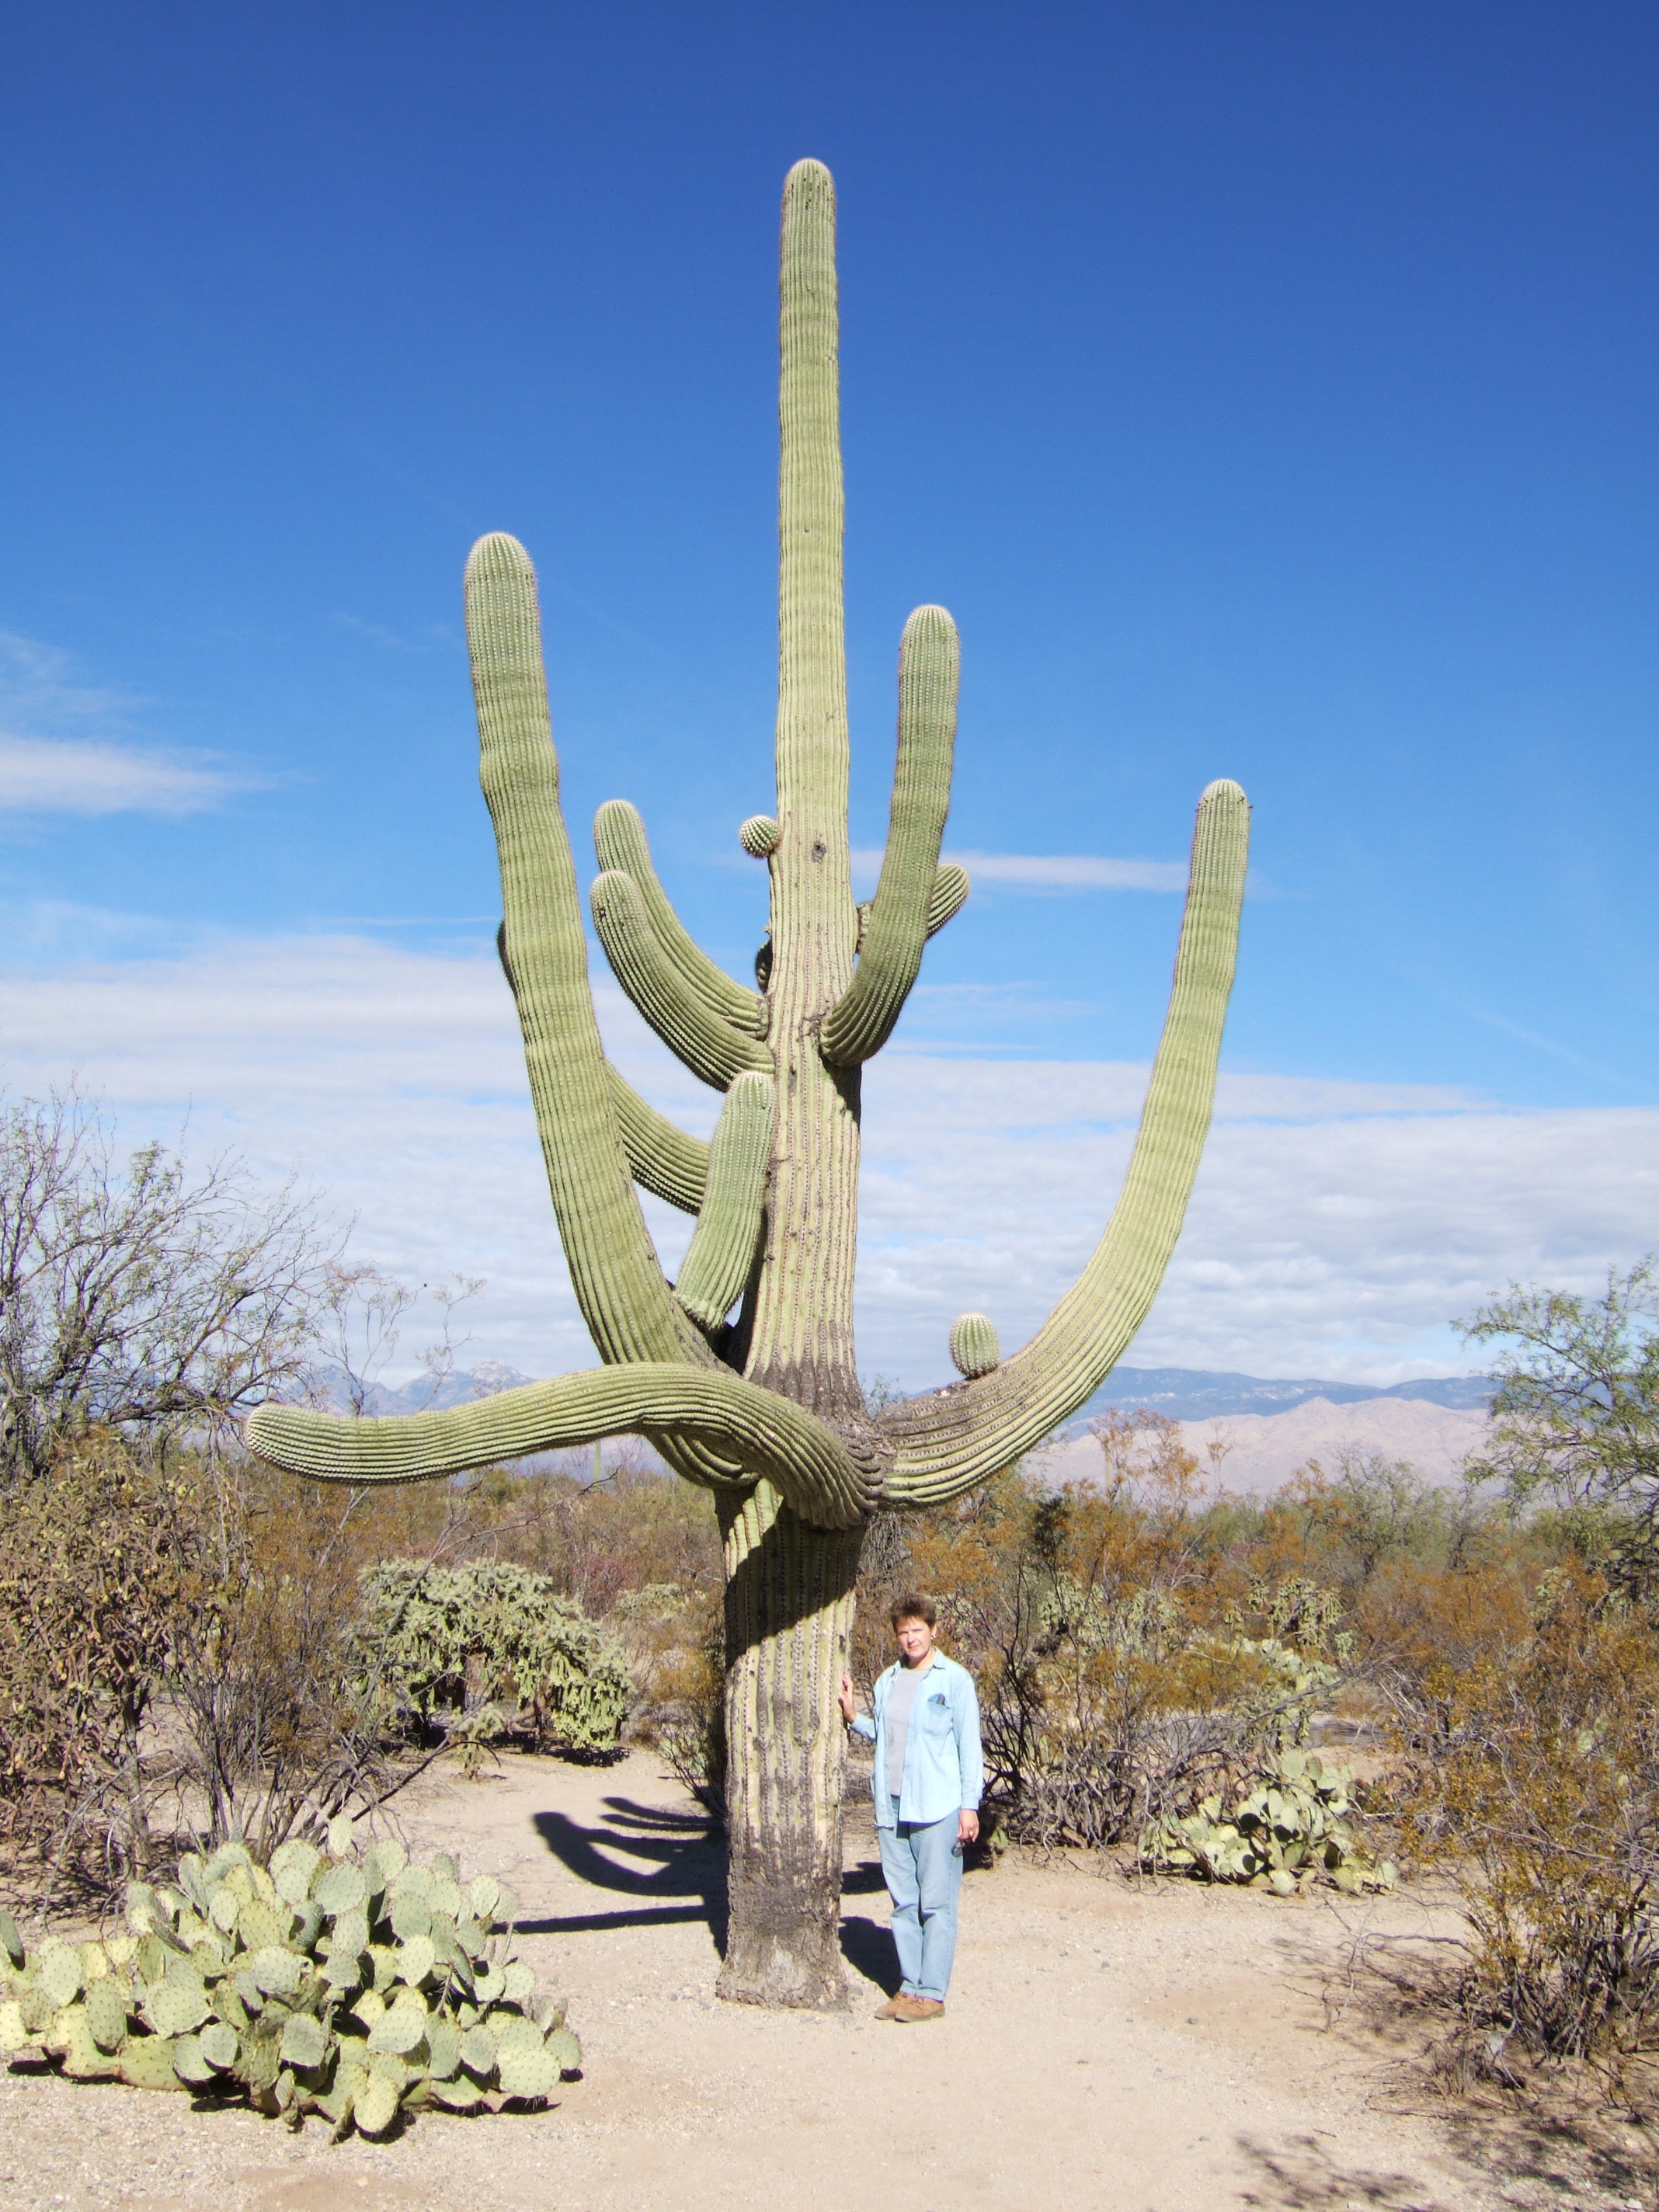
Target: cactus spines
[945, 1442]
[806, 1461]
[975, 1349]
[767, 1411]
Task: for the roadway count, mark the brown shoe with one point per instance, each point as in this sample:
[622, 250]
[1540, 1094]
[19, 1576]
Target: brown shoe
[920, 2008]
[896, 2008]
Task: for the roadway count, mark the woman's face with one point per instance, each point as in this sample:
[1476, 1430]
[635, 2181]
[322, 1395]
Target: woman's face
[915, 1641]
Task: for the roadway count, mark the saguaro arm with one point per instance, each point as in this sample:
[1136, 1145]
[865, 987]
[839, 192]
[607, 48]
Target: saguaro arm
[863, 1019]
[946, 1442]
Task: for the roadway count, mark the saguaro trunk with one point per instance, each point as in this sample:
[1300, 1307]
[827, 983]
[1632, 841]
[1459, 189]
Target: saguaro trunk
[789, 1587]
[788, 1622]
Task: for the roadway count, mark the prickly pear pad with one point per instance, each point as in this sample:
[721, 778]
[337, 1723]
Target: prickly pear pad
[336, 2007]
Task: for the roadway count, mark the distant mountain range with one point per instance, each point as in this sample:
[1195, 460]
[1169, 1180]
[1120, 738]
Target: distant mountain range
[484, 1380]
[1202, 1393]
[1183, 1394]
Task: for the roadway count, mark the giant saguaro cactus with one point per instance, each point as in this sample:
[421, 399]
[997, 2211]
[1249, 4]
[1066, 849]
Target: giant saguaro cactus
[765, 1407]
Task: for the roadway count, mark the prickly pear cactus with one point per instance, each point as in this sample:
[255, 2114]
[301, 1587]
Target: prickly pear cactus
[349, 1983]
[1284, 1835]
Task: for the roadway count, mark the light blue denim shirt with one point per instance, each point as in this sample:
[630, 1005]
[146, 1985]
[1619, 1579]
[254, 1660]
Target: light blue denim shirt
[944, 1766]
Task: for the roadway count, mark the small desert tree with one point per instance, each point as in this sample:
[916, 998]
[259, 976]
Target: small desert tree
[766, 1408]
[138, 1294]
[1575, 1406]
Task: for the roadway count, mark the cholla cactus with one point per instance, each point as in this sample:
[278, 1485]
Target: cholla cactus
[765, 1408]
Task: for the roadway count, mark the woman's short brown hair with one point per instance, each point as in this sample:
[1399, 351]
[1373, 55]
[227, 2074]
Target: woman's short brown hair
[913, 1607]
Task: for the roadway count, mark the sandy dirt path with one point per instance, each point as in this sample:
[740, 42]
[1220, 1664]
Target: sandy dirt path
[1142, 2048]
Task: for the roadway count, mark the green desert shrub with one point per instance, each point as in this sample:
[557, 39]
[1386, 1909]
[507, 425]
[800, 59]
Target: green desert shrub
[351, 1984]
[489, 1650]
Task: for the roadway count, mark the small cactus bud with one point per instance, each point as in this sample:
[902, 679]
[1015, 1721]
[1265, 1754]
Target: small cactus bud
[974, 1345]
[759, 836]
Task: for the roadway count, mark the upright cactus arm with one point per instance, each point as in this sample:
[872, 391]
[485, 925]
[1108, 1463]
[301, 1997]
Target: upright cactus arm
[948, 896]
[863, 1019]
[752, 1432]
[944, 1445]
[614, 1270]
[620, 842]
[663, 1159]
[715, 1052]
[722, 1249]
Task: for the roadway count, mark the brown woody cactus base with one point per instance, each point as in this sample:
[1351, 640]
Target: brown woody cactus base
[765, 1408]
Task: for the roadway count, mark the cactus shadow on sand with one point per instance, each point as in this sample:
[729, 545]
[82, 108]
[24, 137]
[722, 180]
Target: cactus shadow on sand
[667, 1857]
[677, 1873]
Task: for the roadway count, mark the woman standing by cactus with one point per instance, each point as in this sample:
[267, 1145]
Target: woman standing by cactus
[927, 1779]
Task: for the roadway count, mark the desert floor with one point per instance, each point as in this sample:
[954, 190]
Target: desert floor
[1145, 2046]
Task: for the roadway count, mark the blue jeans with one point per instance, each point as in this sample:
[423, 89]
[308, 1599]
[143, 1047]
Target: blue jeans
[922, 1870]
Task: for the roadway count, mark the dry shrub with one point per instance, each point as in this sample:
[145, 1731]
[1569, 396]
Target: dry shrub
[174, 1665]
[676, 1639]
[1123, 1674]
[1534, 1782]
[596, 1536]
[94, 1580]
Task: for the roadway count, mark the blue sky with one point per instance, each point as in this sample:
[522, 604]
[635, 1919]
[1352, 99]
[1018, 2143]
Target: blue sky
[1269, 392]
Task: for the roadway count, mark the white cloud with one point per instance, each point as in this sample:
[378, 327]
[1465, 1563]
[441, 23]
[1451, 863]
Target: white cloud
[57, 775]
[1072, 871]
[49, 765]
[1049, 872]
[1335, 1229]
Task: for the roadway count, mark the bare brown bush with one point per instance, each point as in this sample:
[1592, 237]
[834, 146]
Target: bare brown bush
[1532, 1780]
[174, 1664]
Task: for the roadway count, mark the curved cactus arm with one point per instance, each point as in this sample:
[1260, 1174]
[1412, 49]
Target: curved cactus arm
[944, 1443]
[620, 842]
[661, 1158]
[722, 1249]
[948, 896]
[764, 1434]
[614, 1272]
[929, 663]
[708, 1045]
[664, 1160]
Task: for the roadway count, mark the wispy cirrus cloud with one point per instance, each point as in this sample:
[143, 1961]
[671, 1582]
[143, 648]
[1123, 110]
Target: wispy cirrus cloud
[71, 775]
[1051, 872]
[65, 750]
[437, 637]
